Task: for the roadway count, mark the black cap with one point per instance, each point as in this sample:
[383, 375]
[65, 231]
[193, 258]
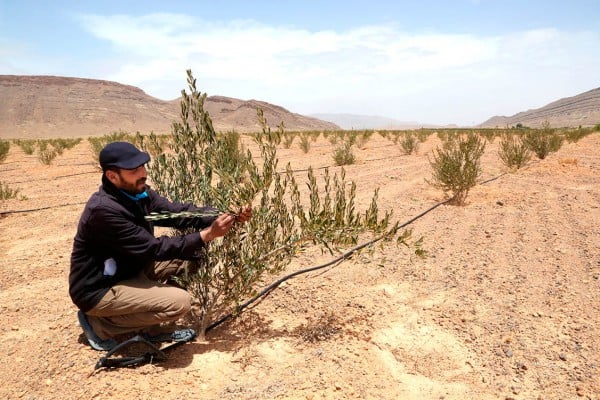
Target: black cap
[122, 155]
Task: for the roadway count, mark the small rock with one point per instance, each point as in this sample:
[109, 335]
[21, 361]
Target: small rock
[500, 202]
[562, 356]
[508, 353]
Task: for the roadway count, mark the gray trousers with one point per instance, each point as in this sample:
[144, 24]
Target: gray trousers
[141, 303]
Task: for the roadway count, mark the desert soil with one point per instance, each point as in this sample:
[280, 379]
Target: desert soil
[505, 306]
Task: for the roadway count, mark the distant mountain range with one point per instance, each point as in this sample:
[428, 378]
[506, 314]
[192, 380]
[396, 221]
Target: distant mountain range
[354, 121]
[582, 109]
[51, 106]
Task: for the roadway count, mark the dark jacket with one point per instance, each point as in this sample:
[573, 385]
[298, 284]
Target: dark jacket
[113, 226]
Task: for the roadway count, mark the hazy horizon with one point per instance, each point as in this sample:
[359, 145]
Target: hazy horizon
[434, 62]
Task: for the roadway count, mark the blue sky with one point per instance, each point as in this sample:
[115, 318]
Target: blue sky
[434, 62]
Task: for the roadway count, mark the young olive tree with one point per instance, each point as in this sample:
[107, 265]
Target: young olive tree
[543, 141]
[457, 165]
[207, 168]
[513, 151]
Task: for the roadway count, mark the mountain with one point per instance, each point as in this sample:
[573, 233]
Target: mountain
[583, 109]
[52, 106]
[355, 121]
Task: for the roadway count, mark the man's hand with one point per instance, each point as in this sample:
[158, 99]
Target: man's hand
[223, 224]
[245, 214]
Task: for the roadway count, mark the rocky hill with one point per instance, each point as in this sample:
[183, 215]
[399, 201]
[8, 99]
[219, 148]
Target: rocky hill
[50, 106]
[583, 109]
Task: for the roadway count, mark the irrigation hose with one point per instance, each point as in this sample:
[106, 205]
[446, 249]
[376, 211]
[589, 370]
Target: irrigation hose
[336, 260]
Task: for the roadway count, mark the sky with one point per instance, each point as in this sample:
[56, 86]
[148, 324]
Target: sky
[433, 62]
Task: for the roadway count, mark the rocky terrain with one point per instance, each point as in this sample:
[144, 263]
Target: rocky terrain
[580, 110]
[49, 106]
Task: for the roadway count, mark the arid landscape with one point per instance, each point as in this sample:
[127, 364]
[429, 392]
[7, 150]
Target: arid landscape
[504, 306]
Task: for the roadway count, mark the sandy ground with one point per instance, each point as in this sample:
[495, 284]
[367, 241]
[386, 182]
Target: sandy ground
[506, 305]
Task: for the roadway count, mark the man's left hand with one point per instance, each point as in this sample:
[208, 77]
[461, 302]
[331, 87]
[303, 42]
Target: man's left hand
[245, 214]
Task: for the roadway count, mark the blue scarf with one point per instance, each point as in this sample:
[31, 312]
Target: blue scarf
[137, 197]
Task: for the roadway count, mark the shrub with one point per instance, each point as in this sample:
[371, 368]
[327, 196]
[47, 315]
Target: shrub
[575, 135]
[423, 134]
[288, 139]
[457, 165]
[489, 135]
[42, 145]
[98, 143]
[362, 139]
[513, 151]
[8, 193]
[46, 156]
[199, 169]
[27, 145]
[343, 155]
[409, 143]
[4, 147]
[61, 144]
[543, 141]
[305, 142]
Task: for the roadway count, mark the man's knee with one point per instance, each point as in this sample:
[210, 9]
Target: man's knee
[181, 302]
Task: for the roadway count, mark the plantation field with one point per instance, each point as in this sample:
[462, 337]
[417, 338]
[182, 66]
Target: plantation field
[506, 304]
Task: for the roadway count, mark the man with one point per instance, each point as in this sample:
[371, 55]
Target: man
[117, 279]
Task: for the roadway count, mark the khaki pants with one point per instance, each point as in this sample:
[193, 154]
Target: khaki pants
[141, 302]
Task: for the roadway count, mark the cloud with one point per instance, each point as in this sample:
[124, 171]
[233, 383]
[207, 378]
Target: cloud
[369, 66]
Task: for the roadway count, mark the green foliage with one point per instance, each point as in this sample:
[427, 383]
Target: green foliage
[27, 145]
[343, 155]
[7, 193]
[489, 135]
[543, 141]
[46, 156]
[288, 139]
[576, 134]
[42, 145]
[409, 143]
[513, 151]
[205, 168]
[304, 142]
[4, 147]
[457, 165]
[423, 134]
[363, 138]
[63, 144]
[98, 143]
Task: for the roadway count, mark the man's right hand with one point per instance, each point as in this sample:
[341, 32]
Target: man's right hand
[220, 226]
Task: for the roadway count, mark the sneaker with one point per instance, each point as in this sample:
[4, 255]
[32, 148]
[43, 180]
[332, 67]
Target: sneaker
[180, 335]
[94, 341]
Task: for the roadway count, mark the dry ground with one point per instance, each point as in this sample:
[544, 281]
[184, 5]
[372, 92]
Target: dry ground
[505, 306]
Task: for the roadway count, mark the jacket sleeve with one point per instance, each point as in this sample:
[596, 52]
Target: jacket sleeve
[160, 204]
[117, 229]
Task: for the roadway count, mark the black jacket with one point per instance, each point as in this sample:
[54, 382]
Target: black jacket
[113, 226]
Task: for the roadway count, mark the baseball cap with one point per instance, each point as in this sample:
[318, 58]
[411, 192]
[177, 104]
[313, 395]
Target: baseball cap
[122, 155]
